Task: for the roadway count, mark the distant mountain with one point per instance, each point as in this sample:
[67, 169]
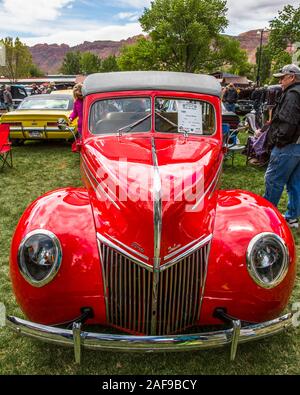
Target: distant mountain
[49, 58]
[250, 41]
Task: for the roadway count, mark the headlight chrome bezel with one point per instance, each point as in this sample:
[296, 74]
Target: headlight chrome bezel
[56, 265]
[285, 264]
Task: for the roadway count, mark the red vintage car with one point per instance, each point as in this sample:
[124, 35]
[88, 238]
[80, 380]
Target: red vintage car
[151, 246]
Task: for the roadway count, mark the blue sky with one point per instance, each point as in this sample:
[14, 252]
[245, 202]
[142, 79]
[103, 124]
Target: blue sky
[75, 21]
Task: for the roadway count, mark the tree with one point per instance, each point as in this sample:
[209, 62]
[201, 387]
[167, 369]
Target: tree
[109, 64]
[89, 63]
[34, 71]
[182, 31]
[139, 56]
[285, 29]
[278, 62]
[226, 54]
[18, 59]
[71, 63]
[184, 35]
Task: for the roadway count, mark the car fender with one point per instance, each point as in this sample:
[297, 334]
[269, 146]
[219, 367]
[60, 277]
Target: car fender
[240, 216]
[68, 214]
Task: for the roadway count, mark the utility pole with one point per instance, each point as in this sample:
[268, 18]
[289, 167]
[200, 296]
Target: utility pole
[261, 32]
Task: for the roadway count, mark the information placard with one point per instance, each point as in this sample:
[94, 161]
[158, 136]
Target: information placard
[190, 116]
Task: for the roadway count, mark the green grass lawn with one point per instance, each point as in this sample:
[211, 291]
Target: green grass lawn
[42, 167]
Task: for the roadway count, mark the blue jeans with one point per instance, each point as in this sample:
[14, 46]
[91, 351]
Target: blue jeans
[230, 106]
[284, 169]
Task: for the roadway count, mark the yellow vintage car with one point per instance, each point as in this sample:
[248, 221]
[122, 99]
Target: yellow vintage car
[36, 118]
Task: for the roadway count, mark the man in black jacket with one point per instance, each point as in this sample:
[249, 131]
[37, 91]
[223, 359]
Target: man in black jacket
[284, 139]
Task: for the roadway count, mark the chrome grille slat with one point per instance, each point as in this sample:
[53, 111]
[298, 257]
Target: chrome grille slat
[149, 305]
[170, 302]
[125, 294]
[177, 322]
[196, 285]
[117, 294]
[172, 326]
[130, 293]
[111, 285]
[144, 298]
[129, 298]
[188, 294]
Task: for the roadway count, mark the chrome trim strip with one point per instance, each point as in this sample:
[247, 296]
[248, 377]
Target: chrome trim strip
[39, 129]
[130, 249]
[182, 248]
[157, 210]
[187, 253]
[205, 277]
[104, 278]
[184, 342]
[56, 266]
[110, 244]
[157, 202]
[161, 268]
[15, 129]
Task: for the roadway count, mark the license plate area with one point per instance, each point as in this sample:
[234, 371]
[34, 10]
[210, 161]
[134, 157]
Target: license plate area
[35, 134]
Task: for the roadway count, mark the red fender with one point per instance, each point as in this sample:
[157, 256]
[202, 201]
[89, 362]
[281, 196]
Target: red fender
[68, 214]
[240, 216]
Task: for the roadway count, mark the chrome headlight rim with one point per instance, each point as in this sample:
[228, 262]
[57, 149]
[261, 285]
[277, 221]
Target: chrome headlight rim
[57, 263]
[285, 264]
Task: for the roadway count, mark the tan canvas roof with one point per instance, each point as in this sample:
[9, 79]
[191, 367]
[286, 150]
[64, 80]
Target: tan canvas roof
[151, 80]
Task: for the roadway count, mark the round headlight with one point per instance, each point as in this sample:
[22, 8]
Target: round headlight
[39, 257]
[267, 259]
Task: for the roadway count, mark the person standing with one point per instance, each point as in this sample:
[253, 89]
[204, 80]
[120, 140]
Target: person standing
[2, 104]
[284, 139]
[8, 101]
[50, 87]
[230, 97]
[77, 107]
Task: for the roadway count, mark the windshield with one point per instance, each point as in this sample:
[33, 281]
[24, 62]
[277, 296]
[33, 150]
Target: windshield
[45, 104]
[184, 116]
[172, 115]
[120, 115]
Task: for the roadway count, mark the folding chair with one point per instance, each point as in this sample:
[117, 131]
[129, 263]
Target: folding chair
[225, 132]
[5, 146]
[234, 146]
[231, 141]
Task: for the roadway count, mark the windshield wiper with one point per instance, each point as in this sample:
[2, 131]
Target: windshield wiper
[166, 119]
[129, 127]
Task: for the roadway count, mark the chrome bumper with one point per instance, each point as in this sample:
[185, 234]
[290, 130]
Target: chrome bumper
[79, 339]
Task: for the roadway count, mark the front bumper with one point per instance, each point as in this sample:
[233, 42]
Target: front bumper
[79, 339]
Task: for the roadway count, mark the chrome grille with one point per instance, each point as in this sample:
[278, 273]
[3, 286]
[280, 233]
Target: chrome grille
[129, 292]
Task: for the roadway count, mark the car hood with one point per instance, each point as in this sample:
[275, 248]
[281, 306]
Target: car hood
[144, 189]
